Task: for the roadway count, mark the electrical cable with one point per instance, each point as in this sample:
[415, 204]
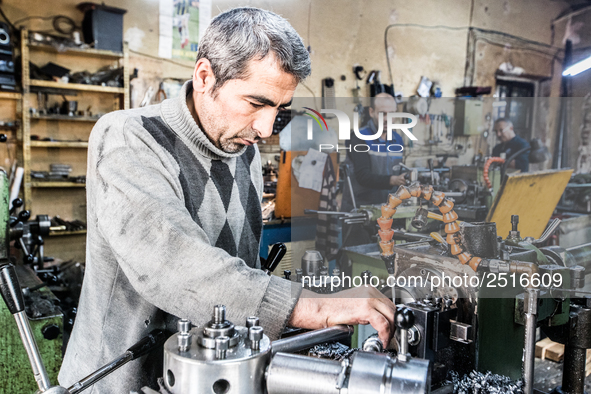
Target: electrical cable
[161, 58]
[59, 21]
[459, 28]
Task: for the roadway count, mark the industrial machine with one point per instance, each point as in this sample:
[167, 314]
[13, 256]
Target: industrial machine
[478, 299]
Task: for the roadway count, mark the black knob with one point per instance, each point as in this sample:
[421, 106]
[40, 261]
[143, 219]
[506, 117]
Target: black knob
[29, 259]
[404, 318]
[287, 274]
[16, 203]
[23, 216]
[277, 252]
[3, 138]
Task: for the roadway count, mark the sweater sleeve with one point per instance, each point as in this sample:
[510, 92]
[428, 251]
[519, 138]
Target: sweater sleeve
[363, 171]
[166, 256]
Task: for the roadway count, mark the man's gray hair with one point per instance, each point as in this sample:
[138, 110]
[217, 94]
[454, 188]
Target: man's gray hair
[242, 34]
[505, 120]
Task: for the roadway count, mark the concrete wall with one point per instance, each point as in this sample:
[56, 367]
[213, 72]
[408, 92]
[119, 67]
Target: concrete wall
[342, 33]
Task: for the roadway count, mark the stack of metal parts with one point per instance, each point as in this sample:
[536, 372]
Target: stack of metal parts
[484, 383]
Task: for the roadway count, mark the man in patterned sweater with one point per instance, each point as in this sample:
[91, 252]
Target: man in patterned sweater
[174, 218]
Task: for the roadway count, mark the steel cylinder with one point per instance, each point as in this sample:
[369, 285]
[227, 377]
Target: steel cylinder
[480, 239]
[201, 370]
[378, 373]
[296, 374]
[312, 262]
[369, 373]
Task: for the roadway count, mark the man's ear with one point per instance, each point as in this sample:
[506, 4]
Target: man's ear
[203, 78]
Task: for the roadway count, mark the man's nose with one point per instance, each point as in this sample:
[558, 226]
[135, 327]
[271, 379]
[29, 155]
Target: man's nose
[263, 123]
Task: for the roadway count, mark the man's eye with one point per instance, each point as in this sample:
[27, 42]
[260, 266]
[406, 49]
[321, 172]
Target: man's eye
[255, 105]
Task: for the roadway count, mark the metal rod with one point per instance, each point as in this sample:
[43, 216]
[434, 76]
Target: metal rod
[311, 211]
[573, 377]
[24, 329]
[549, 231]
[309, 339]
[346, 168]
[101, 373]
[529, 347]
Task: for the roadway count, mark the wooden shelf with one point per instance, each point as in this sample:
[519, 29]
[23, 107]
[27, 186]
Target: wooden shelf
[77, 51]
[57, 184]
[59, 144]
[10, 95]
[76, 86]
[61, 233]
[65, 117]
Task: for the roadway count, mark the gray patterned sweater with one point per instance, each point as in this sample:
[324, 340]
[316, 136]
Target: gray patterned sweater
[174, 225]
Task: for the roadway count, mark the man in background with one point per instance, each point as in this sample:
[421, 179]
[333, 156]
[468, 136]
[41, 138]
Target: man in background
[371, 172]
[510, 144]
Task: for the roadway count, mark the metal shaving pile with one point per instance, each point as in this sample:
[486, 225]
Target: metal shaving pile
[338, 351]
[332, 350]
[484, 383]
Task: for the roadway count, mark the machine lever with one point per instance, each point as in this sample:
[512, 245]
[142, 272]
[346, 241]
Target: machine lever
[16, 203]
[145, 345]
[13, 297]
[277, 252]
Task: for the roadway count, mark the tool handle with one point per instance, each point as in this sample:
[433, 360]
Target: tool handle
[148, 343]
[277, 252]
[10, 289]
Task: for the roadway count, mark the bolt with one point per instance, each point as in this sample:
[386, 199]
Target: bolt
[514, 222]
[184, 325]
[255, 334]
[252, 321]
[287, 274]
[219, 314]
[221, 345]
[183, 341]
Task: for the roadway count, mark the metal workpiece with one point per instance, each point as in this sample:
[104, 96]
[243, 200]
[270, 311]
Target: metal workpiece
[480, 239]
[308, 339]
[220, 359]
[312, 263]
[529, 346]
[367, 373]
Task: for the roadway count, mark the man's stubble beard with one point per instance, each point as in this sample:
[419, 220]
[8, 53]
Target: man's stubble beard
[215, 125]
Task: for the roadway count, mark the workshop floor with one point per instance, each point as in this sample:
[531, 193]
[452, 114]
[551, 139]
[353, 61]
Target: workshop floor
[548, 375]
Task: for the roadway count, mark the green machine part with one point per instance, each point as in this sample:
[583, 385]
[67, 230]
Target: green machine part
[45, 318]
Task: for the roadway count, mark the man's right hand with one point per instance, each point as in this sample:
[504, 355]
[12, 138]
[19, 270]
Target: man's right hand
[398, 180]
[360, 305]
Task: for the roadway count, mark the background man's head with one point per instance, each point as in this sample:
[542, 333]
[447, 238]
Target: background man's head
[384, 103]
[248, 65]
[504, 129]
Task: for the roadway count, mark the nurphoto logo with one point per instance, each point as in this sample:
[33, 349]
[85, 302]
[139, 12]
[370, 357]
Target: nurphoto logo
[345, 129]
